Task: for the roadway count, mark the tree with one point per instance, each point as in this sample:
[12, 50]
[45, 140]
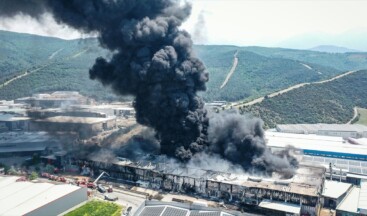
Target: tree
[33, 176]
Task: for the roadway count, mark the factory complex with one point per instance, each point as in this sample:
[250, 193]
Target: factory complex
[332, 169]
[338, 130]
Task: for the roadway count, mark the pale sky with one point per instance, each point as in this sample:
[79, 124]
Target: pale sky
[269, 22]
[249, 22]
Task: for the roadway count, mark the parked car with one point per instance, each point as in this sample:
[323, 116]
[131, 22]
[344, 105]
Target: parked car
[111, 197]
[101, 189]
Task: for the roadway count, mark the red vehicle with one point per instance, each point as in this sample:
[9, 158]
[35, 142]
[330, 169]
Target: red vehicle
[109, 189]
[91, 185]
[53, 177]
[62, 179]
[21, 179]
[45, 175]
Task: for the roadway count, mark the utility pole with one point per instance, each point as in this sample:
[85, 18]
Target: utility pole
[331, 171]
[340, 180]
[340, 173]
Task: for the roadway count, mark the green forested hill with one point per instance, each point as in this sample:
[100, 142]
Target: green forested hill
[330, 102]
[66, 65]
[19, 52]
[67, 72]
[257, 75]
[260, 70]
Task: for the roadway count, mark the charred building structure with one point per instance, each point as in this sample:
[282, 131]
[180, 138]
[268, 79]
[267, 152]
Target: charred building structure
[301, 191]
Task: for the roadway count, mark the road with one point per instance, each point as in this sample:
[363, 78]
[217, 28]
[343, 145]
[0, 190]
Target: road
[55, 53]
[79, 53]
[125, 199]
[26, 73]
[355, 109]
[306, 66]
[235, 62]
[259, 100]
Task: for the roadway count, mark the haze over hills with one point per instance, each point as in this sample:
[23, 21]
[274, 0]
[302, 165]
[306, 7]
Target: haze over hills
[333, 49]
[353, 39]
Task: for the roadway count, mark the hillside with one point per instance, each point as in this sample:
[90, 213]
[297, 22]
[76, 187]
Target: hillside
[260, 71]
[53, 64]
[19, 52]
[70, 74]
[257, 75]
[330, 102]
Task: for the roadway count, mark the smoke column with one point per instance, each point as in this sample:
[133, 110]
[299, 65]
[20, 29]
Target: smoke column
[153, 61]
[199, 33]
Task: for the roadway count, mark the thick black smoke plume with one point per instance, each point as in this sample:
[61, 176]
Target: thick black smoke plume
[153, 61]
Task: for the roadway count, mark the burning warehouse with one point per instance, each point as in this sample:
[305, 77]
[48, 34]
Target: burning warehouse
[302, 190]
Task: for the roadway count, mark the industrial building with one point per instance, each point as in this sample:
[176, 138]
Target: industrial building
[13, 116]
[11, 122]
[124, 111]
[86, 127]
[316, 145]
[156, 208]
[301, 192]
[114, 109]
[27, 144]
[346, 159]
[333, 193]
[355, 202]
[216, 104]
[338, 130]
[52, 112]
[38, 199]
[53, 100]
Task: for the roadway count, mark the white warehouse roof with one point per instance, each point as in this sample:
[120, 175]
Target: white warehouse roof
[20, 198]
[281, 206]
[350, 201]
[356, 200]
[334, 189]
[313, 142]
[362, 202]
[321, 127]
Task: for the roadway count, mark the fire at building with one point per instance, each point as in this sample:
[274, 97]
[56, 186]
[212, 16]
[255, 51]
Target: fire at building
[301, 191]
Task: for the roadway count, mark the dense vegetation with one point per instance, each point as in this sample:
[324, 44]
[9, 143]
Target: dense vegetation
[97, 208]
[260, 70]
[67, 70]
[330, 102]
[19, 52]
[258, 75]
